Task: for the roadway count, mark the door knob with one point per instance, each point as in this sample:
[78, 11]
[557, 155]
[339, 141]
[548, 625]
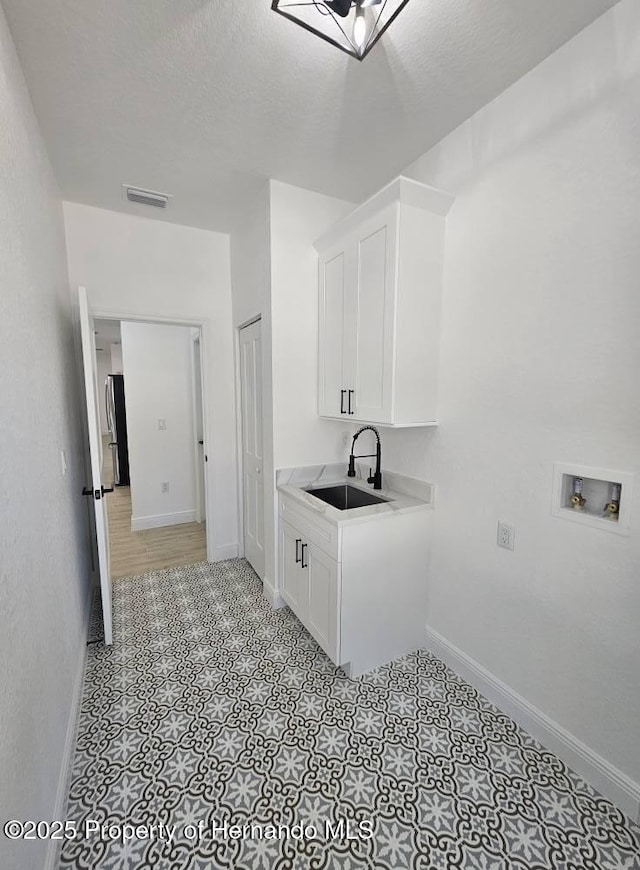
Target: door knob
[98, 492]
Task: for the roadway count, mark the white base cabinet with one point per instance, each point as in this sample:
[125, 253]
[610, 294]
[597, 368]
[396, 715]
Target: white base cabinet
[359, 587]
[310, 583]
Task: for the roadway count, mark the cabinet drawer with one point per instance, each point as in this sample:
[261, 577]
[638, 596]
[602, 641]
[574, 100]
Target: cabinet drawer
[315, 528]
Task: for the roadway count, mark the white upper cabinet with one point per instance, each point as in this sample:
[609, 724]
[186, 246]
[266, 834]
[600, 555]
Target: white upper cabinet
[380, 284]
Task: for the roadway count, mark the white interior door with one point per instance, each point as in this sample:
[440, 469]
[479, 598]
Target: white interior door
[95, 449]
[252, 456]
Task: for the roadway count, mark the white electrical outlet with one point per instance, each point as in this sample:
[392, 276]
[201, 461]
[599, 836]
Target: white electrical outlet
[63, 462]
[346, 438]
[164, 486]
[506, 536]
[162, 423]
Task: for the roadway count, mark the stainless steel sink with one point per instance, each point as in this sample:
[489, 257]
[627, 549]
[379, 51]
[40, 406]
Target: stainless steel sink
[345, 497]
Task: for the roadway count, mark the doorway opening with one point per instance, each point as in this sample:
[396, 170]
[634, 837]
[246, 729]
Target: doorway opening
[150, 393]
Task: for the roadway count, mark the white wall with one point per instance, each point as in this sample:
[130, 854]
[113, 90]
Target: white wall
[275, 276]
[44, 543]
[158, 386]
[298, 217]
[115, 351]
[103, 360]
[251, 261]
[138, 266]
[251, 291]
[539, 362]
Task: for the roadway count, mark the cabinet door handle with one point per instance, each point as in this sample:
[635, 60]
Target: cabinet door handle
[304, 546]
[342, 395]
[351, 393]
[298, 542]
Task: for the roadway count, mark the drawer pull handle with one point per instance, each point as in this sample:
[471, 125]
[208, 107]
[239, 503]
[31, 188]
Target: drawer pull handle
[298, 542]
[351, 392]
[304, 546]
[342, 395]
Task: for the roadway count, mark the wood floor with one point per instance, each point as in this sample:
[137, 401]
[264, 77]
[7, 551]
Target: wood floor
[135, 553]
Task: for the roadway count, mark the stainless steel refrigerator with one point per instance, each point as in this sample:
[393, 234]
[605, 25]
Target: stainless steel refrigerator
[117, 425]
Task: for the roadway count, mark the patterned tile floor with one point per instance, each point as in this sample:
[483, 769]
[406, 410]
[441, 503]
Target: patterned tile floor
[210, 707]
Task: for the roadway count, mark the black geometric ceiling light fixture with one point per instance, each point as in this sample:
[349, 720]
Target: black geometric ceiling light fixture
[354, 26]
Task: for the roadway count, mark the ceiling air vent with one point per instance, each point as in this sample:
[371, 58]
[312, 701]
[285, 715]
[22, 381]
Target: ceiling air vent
[146, 197]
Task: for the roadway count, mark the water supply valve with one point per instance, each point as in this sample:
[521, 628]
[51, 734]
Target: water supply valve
[578, 501]
[612, 507]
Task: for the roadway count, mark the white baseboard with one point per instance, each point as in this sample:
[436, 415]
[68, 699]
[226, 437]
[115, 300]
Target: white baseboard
[138, 524]
[226, 551]
[272, 595]
[601, 774]
[52, 857]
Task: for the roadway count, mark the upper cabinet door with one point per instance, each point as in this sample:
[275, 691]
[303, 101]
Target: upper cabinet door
[331, 383]
[377, 245]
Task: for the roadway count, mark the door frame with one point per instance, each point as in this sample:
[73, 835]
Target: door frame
[205, 326]
[258, 318]
[196, 370]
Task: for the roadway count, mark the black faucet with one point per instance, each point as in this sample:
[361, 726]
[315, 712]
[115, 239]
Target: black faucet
[376, 478]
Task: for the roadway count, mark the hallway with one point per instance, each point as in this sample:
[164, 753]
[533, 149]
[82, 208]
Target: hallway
[212, 707]
[134, 553]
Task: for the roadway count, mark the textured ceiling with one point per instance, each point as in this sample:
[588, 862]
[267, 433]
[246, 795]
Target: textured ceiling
[204, 99]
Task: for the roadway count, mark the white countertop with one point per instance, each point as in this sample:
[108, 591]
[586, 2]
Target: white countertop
[403, 494]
